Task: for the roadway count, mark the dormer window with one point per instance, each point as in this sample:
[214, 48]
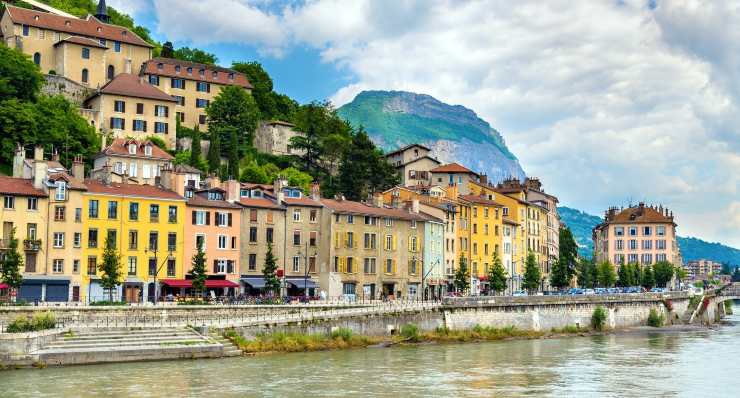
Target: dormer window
[148, 150]
[67, 23]
[215, 195]
[99, 29]
[257, 194]
[202, 72]
[190, 70]
[35, 17]
[244, 193]
[123, 32]
[292, 193]
[160, 66]
[177, 68]
[61, 193]
[231, 76]
[215, 75]
[132, 149]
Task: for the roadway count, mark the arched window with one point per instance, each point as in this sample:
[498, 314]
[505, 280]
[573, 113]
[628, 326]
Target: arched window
[111, 72]
[37, 58]
[84, 75]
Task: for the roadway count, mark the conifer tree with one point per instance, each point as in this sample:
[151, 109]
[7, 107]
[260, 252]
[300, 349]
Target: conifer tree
[195, 150]
[214, 154]
[532, 273]
[269, 271]
[110, 268]
[199, 271]
[559, 277]
[497, 275]
[462, 276]
[11, 264]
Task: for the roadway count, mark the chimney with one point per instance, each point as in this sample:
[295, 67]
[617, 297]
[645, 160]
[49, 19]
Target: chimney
[106, 176]
[39, 173]
[483, 179]
[212, 181]
[232, 188]
[315, 191]
[78, 168]
[415, 206]
[166, 177]
[378, 200]
[38, 152]
[277, 189]
[55, 156]
[18, 159]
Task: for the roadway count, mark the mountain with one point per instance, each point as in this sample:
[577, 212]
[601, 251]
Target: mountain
[581, 224]
[397, 118]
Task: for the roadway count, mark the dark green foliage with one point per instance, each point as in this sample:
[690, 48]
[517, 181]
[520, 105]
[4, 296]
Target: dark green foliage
[11, 263]
[269, 271]
[233, 154]
[625, 276]
[568, 255]
[648, 278]
[587, 273]
[168, 51]
[663, 272]
[559, 275]
[214, 153]
[598, 318]
[199, 271]
[273, 106]
[39, 321]
[195, 150]
[532, 274]
[654, 319]
[158, 141]
[193, 55]
[363, 170]
[19, 77]
[110, 268]
[497, 275]
[606, 275]
[233, 108]
[410, 332]
[462, 276]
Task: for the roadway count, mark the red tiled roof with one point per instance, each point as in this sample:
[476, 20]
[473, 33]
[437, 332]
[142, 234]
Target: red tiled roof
[303, 201]
[481, 200]
[90, 26]
[130, 85]
[251, 185]
[452, 168]
[151, 67]
[83, 41]
[119, 147]
[352, 207]
[259, 202]
[72, 183]
[148, 191]
[639, 214]
[19, 187]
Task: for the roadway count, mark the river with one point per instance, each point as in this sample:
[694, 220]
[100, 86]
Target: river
[694, 363]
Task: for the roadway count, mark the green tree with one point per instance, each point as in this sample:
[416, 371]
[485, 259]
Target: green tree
[214, 154]
[195, 149]
[233, 108]
[736, 275]
[497, 275]
[199, 271]
[168, 51]
[663, 272]
[559, 274]
[625, 276]
[363, 171]
[296, 178]
[681, 274]
[19, 77]
[194, 55]
[568, 252]
[11, 263]
[461, 280]
[269, 271]
[587, 273]
[532, 274]
[648, 278]
[110, 268]
[233, 154]
[606, 275]
[310, 143]
[254, 173]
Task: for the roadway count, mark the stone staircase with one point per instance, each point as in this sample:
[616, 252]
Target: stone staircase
[230, 349]
[126, 345]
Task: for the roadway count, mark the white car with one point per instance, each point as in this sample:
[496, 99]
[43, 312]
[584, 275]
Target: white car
[519, 293]
[589, 291]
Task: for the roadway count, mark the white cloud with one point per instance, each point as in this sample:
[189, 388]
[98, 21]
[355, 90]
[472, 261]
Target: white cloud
[605, 101]
[130, 7]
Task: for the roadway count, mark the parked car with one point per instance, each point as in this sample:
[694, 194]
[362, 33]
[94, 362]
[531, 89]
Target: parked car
[575, 291]
[614, 290]
[600, 290]
[658, 290]
[589, 291]
[519, 293]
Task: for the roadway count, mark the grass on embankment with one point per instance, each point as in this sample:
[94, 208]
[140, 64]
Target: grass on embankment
[409, 334]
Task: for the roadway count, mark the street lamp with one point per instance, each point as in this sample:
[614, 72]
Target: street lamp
[424, 276]
[157, 269]
[305, 273]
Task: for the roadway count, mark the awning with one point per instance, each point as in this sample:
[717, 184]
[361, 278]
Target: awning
[301, 283]
[188, 283]
[3, 286]
[255, 282]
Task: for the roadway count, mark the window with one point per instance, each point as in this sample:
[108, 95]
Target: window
[133, 239]
[171, 267]
[660, 230]
[161, 128]
[647, 259]
[117, 46]
[37, 58]
[76, 266]
[117, 123]
[297, 215]
[619, 244]
[268, 235]
[178, 83]
[312, 238]
[133, 211]
[180, 116]
[660, 257]
[296, 264]
[161, 111]
[58, 266]
[660, 244]
[348, 265]
[26, 30]
[190, 70]
[253, 234]
[233, 242]
[77, 239]
[633, 231]
[389, 268]
[413, 265]
[312, 215]
[154, 80]
[222, 219]
[153, 240]
[139, 125]
[252, 215]
[84, 75]
[201, 103]
[222, 241]
[172, 214]
[113, 237]
[647, 231]
[349, 240]
[413, 223]
[78, 214]
[252, 263]
[297, 237]
[111, 72]
[349, 289]
[200, 217]
[219, 266]
[119, 106]
[85, 53]
[388, 222]
[370, 241]
[132, 265]
[369, 265]
[153, 267]
[180, 100]
[58, 239]
[350, 219]
[172, 241]
[92, 238]
[618, 231]
[153, 213]
[371, 220]
[93, 208]
[9, 202]
[59, 212]
[33, 204]
[92, 266]
[633, 244]
[389, 242]
[647, 244]
[203, 87]
[112, 210]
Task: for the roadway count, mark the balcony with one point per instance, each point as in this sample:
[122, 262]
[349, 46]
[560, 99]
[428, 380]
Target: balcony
[32, 245]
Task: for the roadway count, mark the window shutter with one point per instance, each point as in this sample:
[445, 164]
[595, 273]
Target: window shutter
[229, 219]
[123, 107]
[409, 243]
[111, 122]
[123, 124]
[208, 87]
[194, 217]
[394, 265]
[145, 126]
[336, 239]
[166, 111]
[215, 266]
[166, 128]
[394, 243]
[208, 218]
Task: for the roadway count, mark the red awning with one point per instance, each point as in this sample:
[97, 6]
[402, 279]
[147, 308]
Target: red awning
[187, 283]
[3, 286]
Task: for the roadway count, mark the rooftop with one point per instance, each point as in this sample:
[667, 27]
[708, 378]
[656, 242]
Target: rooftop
[146, 191]
[352, 207]
[130, 85]
[19, 187]
[453, 168]
[167, 67]
[407, 147]
[120, 147]
[639, 214]
[83, 41]
[263, 203]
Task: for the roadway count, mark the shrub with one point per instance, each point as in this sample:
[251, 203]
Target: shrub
[410, 332]
[694, 302]
[728, 307]
[40, 321]
[106, 303]
[654, 319]
[598, 319]
[343, 334]
[442, 331]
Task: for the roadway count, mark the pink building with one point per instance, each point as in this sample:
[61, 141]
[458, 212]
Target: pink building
[637, 235]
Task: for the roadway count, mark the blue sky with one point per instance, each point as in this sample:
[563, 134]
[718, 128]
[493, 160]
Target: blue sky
[606, 101]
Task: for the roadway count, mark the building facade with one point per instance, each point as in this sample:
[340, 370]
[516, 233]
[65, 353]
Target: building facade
[136, 161]
[275, 136]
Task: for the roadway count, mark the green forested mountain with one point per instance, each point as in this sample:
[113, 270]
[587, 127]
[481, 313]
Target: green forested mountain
[582, 223]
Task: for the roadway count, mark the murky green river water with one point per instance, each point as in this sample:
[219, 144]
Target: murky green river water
[697, 363]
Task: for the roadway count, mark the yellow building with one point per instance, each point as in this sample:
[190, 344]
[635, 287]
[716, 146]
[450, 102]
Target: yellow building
[486, 233]
[147, 225]
[193, 85]
[84, 50]
[129, 107]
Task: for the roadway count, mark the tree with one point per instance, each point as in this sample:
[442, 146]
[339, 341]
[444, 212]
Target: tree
[532, 273]
[648, 279]
[195, 149]
[559, 274]
[269, 271]
[168, 51]
[568, 252]
[663, 273]
[233, 154]
[214, 154]
[194, 55]
[199, 271]
[11, 264]
[462, 276]
[606, 274]
[736, 275]
[233, 108]
[625, 277]
[497, 275]
[295, 177]
[587, 273]
[681, 274]
[19, 77]
[110, 268]
[726, 269]
[361, 173]
[310, 143]
[261, 87]
[254, 173]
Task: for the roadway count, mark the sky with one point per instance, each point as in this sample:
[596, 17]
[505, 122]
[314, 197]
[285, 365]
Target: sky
[608, 102]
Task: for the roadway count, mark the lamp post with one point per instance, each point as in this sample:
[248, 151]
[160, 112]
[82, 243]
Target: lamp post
[424, 275]
[305, 273]
[157, 268]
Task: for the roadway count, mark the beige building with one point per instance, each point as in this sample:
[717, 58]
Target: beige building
[274, 137]
[303, 238]
[129, 107]
[192, 85]
[85, 50]
[702, 268]
[413, 164]
[138, 162]
[636, 235]
[454, 174]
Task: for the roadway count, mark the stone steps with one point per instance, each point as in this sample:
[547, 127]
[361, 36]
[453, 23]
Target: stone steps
[230, 349]
[124, 336]
[128, 342]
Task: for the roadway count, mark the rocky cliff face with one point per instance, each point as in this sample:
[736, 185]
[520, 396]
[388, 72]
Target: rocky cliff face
[454, 133]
